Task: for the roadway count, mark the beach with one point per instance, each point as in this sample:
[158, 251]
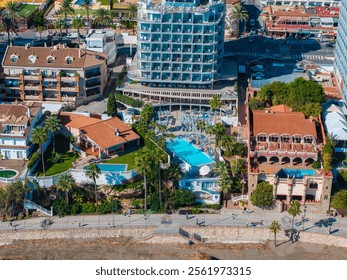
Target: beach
[124, 248]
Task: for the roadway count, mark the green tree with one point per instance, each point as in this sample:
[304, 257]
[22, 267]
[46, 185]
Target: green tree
[238, 13]
[218, 130]
[256, 104]
[8, 26]
[132, 15]
[39, 19]
[159, 157]
[215, 104]
[60, 24]
[294, 210]
[87, 5]
[147, 114]
[52, 124]
[262, 195]
[102, 17]
[238, 167]
[12, 10]
[225, 180]
[339, 200]
[111, 105]
[78, 23]
[12, 198]
[143, 165]
[173, 173]
[66, 9]
[92, 172]
[39, 136]
[276, 92]
[328, 152]
[275, 228]
[65, 184]
[182, 198]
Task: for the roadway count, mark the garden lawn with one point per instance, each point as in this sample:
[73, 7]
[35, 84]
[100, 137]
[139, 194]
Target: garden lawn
[26, 9]
[62, 147]
[125, 159]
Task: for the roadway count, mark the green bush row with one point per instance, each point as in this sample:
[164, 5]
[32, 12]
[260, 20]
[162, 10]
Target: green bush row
[129, 101]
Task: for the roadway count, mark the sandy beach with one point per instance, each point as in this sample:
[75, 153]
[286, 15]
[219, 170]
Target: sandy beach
[126, 248]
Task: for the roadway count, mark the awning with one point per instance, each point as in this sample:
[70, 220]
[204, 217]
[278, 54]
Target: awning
[326, 20]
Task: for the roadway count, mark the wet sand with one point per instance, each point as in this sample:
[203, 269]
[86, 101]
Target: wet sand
[126, 248]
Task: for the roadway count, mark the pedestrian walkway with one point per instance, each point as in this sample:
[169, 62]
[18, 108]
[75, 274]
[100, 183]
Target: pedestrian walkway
[308, 57]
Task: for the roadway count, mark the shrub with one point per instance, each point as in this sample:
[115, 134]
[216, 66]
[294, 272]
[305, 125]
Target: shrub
[196, 211]
[61, 207]
[316, 165]
[105, 207]
[137, 203]
[34, 158]
[75, 209]
[88, 208]
[129, 101]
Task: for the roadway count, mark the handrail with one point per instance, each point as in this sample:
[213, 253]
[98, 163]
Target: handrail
[33, 205]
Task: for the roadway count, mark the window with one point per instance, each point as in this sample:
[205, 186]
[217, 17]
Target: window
[313, 186]
[68, 60]
[19, 154]
[50, 59]
[7, 154]
[32, 58]
[14, 58]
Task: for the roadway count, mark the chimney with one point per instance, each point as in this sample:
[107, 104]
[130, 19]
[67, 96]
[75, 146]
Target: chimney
[28, 112]
[45, 45]
[117, 132]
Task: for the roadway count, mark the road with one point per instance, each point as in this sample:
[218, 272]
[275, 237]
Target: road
[314, 222]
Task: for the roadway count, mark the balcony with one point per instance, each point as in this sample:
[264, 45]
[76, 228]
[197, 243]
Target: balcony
[92, 74]
[91, 85]
[70, 88]
[31, 86]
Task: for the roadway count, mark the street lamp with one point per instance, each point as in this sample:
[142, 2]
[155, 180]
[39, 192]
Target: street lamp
[303, 220]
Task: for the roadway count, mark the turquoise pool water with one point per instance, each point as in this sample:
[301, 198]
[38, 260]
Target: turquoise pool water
[110, 167]
[297, 173]
[187, 152]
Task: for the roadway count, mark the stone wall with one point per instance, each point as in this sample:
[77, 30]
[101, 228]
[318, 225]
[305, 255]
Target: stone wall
[217, 234]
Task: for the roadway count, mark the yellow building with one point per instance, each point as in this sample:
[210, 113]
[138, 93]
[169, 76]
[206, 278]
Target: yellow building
[3, 2]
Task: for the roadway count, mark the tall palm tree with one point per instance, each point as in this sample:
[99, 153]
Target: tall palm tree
[294, 210]
[78, 23]
[39, 136]
[215, 104]
[87, 5]
[226, 180]
[238, 13]
[60, 24]
[12, 10]
[275, 228]
[92, 172]
[52, 124]
[143, 165]
[132, 15]
[173, 173]
[66, 183]
[8, 26]
[160, 157]
[102, 17]
[66, 9]
[218, 130]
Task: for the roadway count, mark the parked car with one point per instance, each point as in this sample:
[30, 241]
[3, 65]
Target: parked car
[258, 74]
[120, 106]
[298, 70]
[258, 68]
[329, 45]
[73, 35]
[133, 111]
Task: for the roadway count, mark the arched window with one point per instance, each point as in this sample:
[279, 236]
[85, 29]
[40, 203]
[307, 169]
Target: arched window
[32, 58]
[68, 60]
[14, 58]
[50, 59]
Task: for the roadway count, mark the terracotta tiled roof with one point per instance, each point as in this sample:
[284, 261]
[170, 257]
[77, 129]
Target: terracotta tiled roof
[104, 133]
[76, 120]
[80, 58]
[285, 122]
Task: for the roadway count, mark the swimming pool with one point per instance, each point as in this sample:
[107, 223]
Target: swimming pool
[187, 152]
[7, 173]
[80, 2]
[110, 167]
[296, 173]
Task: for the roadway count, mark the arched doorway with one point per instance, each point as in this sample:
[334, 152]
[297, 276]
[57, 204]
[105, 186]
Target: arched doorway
[274, 160]
[285, 160]
[262, 160]
[297, 161]
[308, 161]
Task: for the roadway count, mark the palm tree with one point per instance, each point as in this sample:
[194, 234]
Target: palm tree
[66, 9]
[294, 210]
[239, 14]
[66, 183]
[102, 17]
[92, 172]
[39, 136]
[275, 228]
[160, 157]
[12, 10]
[8, 26]
[226, 180]
[60, 24]
[132, 15]
[143, 165]
[87, 4]
[173, 173]
[77, 23]
[218, 130]
[215, 104]
[52, 124]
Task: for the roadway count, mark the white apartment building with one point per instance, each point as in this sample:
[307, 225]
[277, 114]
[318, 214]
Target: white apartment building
[304, 3]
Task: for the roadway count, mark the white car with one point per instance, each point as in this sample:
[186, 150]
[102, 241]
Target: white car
[73, 35]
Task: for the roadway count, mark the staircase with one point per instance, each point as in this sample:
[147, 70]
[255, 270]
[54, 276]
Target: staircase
[29, 205]
[240, 197]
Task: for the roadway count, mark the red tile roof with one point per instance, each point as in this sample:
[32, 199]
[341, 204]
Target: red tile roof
[76, 120]
[280, 120]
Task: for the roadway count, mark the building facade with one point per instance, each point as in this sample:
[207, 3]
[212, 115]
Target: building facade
[282, 148]
[57, 73]
[16, 122]
[179, 43]
[304, 3]
[340, 62]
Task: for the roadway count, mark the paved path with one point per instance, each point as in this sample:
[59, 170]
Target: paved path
[314, 222]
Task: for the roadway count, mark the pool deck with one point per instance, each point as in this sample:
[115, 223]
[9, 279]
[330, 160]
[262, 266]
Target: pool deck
[18, 165]
[273, 169]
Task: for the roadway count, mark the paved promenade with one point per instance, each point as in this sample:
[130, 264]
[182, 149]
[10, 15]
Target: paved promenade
[316, 223]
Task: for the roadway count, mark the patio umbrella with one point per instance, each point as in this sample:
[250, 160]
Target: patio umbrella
[204, 170]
